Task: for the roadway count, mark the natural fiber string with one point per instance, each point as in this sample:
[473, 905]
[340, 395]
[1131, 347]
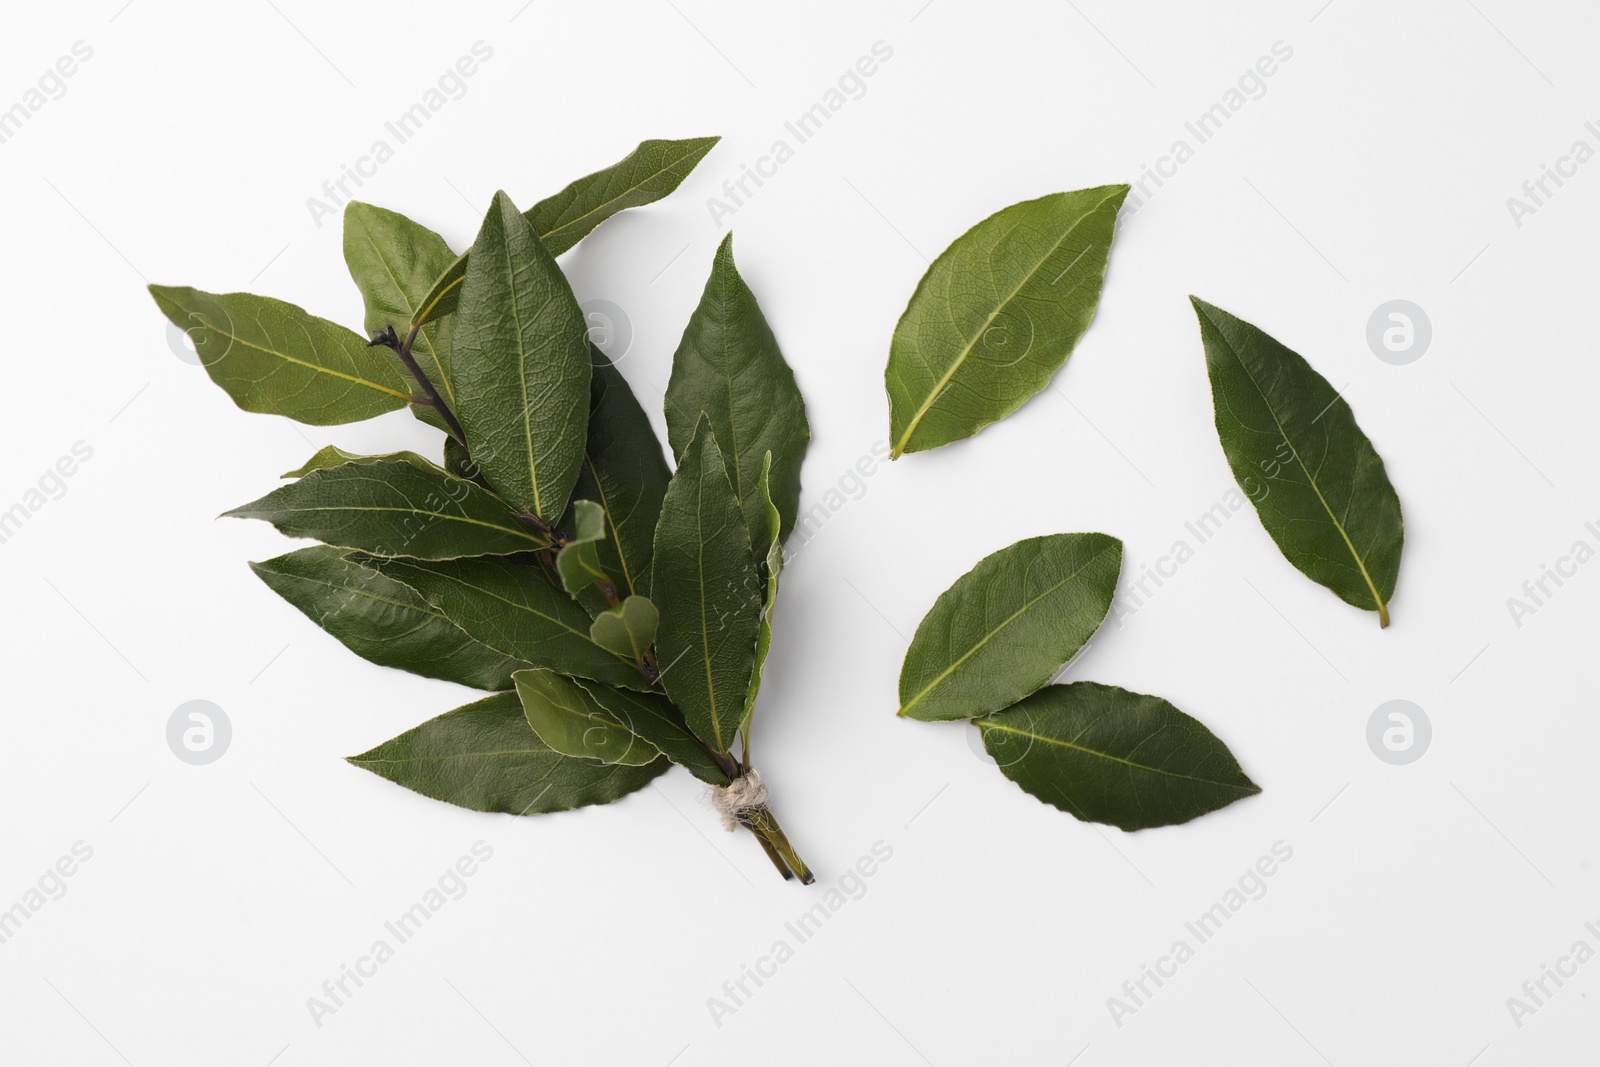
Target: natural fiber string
[743, 795]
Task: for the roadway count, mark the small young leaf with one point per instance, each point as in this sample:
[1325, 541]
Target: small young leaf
[277, 359]
[645, 175]
[774, 561]
[1295, 449]
[1107, 755]
[485, 757]
[1008, 624]
[400, 507]
[625, 473]
[521, 365]
[728, 369]
[653, 718]
[334, 456]
[627, 629]
[394, 261]
[706, 588]
[381, 620]
[569, 720]
[514, 609]
[578, 563]
[996, 316]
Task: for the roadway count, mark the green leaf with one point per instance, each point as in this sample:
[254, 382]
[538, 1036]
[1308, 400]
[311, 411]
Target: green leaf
[569, 720]
[485, 757]
[381, 620]
[625, 473]
[394, 261]
[996, 316]
[516, 610]
[1007, 625]
[1296, 451]
[728, 369]
[653, 718]
[578, 563]
[275, 358]
[627, 629]
[400, 507]
[334, 456]
[522, 366]
[645, 175]
[1107, 755]
[774, 562]
[706, 588]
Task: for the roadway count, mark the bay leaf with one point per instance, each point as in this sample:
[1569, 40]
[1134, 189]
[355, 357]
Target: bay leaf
[521, 362]
[1110, 756]
[394, 262]
[774, 568]
[484, 756]
[274, 358]
[381, 620]
[706, 587]
[334, 456]
[1293, 445]
[514, 609]
[1008, 625]
[627, 629]
[578, 564]
[401, 507]
[654, 718]
[569, 720]
[996, 315]
[728, 368]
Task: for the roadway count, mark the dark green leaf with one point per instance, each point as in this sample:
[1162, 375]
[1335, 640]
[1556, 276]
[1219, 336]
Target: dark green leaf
[400, 507]
[1296, 451]
[625, 473]
[515, 609]
[569, 720]
[394, 261]
[485, 757]
[707, 590]
[728, 369]
[627, 629]
[275, 358]
[996, 316]
[381, 620]
[653, 718]
[1107, 755]
[645, 175]
[1006, 626]
[774, 568]
[521, 365]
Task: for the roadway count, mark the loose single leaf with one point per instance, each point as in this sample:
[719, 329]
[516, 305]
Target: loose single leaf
[706, 587]
[381, 620]
[625, 472]
[774, 561]
[1006, 626]
[401, 507]
[1295, 449]
[569, 720]
[645, 175]
[653, 718]
[521, 363]
[996, 316]
[278, 359]
[513, 608]
[1107, 755]
[485, 757]
[394, 262]
[627, 629]
[578, 563]
[728, 369]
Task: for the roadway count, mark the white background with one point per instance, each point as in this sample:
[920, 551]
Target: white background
[1376, 166]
